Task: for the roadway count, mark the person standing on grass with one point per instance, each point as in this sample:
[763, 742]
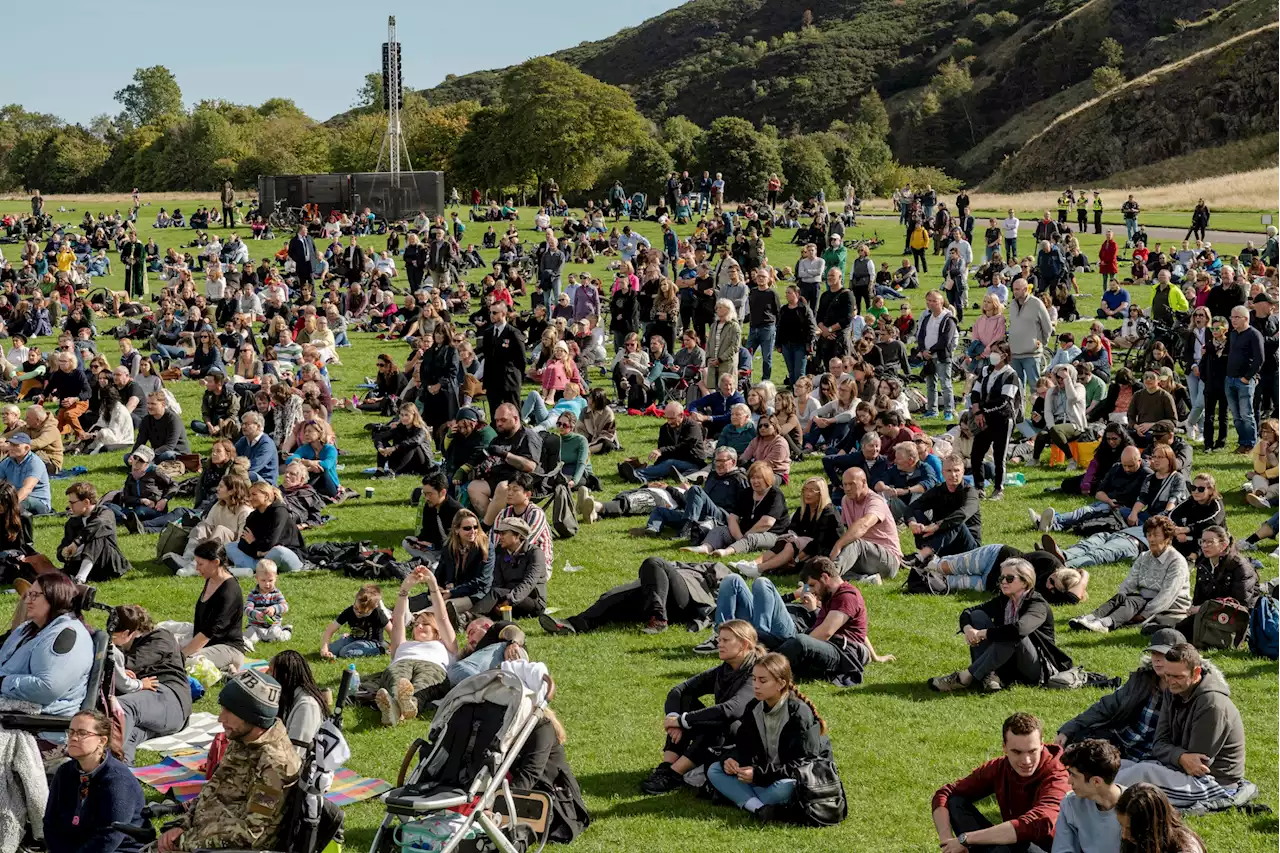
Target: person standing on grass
[228, 205]
[133, 256]
[1029, 330]
[1245, 357]
[763, 312]
[1028, 782]
[1087, 819]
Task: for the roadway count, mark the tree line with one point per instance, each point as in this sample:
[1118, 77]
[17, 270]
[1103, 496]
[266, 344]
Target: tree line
[550, 121]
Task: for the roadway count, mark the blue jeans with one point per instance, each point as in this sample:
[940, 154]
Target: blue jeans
[1010, 248]
[763, 337]
[36, 506]
[957, 540]
[1102, 548]
[761, 605]
[490, 657]
[354, 647]
[698, 507]
[1240, 404]
[1028, 370]
[990, 251]
[1195, 388]
[534, 411]
[796, 358]
[142, 512]
[168, 351]
[740, 792]
[665, 468]
[832, 434]
[888, 292]
[970, 569]
[341, 340]
[1130, 228]
[283, 557]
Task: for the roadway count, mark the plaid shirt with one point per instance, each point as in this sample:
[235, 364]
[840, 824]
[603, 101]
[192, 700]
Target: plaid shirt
[1137, 739]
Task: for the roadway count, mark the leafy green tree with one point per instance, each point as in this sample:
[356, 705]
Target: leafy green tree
[805, 167]
[369, 95]
[560, 123]
[1105, 78]
[646, 168]
[69, 160]
[484, 155]
[872, 113]
[152, 97]
[954, 83]
[433, 134]
[680, 137]
[745, 157]
[22, 133]
[1112, 52]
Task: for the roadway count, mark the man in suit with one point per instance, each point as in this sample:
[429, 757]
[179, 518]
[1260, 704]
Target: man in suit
[133, 255]
[302, 251]
[354, 258]
[502, 347]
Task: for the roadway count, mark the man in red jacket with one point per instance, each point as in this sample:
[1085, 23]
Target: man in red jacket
[1028, 783]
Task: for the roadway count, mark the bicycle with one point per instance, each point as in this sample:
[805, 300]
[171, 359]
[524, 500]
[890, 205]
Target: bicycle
[286, 217]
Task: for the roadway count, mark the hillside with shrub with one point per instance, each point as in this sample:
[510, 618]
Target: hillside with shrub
[966, 84]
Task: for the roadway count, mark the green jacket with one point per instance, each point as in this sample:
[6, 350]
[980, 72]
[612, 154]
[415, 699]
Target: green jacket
[836, 258]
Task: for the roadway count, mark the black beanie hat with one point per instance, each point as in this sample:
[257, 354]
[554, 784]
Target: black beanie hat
[253, 697]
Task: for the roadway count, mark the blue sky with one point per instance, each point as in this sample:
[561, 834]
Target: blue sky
[246, 52]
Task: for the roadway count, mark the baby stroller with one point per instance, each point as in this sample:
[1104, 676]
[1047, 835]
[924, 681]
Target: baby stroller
[639, 206]
[446, 801]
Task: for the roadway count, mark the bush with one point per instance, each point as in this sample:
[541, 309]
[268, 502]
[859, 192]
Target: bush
[1105, 78]
[963, 47]
[982, 22]
[1004, 20]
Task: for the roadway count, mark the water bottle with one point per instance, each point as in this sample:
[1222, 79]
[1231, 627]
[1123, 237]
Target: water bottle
[355, 677]
[1015, 478]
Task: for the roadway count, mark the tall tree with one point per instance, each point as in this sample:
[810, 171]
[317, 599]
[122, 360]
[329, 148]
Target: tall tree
[560, 123]
[153, 96]
[680, 137]
[805, 167]
[871, 112]
[370, 92]
[744, 156]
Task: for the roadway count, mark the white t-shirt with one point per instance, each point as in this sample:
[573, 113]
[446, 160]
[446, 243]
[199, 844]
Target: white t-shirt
[1010, 228]
[431, 651]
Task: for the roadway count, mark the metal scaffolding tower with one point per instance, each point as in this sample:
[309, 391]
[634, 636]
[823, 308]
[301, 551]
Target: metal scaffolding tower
[392, 101]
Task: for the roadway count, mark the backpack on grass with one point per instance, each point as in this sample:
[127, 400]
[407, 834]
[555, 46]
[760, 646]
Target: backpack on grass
[1264, 628]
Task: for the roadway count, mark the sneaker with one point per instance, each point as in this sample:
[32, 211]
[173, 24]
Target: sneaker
[992, 684]
[1035, 518]
[405, 699]
[1246, 545]
[642, 532]
[947, 683]
[655, 626]
[1257, 499]
[662, 780]
[929, 413]
[872, 580]
[132, 522]
[997, 495]
[554, 626]
[709, 646]
[766, 813]
[948, 416]
[387, 705]
[172, 562]
[748, 569]
[1047, 519]
[1092, 623]
[1072, 465]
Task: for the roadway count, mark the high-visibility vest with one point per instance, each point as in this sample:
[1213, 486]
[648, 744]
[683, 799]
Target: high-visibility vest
[1097, 203]
[1062, 202]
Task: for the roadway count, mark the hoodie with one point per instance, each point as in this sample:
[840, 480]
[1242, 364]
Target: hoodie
[1029, 804]
[1203, 721]
[1065, 405]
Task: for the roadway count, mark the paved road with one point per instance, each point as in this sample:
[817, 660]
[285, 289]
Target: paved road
[1162, 233]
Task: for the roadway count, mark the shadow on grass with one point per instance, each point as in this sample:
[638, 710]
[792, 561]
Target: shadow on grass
[621, 789]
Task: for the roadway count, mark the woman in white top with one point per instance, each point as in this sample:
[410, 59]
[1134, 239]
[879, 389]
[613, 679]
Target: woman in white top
[224, 522]
[114, 430]
[831, 421]
[418, 670]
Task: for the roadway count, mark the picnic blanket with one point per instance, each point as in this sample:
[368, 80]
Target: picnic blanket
[201, 729]
[181, 776]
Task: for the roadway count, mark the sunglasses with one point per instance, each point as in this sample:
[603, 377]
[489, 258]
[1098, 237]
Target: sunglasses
[469, 527]
[1008, 578]
[1200, 489]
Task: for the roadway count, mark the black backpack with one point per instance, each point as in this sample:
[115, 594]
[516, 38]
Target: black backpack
[923, 582]
[820, 799]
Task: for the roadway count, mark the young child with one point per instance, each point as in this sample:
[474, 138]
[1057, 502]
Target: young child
[265, 607]
[367, 620]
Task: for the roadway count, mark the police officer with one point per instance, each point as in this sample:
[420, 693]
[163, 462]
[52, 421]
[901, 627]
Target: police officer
[1082, 212]
[1097, 213]
[1064, 204]
[243, 804]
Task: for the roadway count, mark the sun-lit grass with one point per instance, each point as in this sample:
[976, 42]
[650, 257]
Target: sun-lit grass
[895, 741]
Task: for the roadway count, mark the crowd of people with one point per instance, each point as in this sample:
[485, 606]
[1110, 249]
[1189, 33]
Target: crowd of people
[505, 416]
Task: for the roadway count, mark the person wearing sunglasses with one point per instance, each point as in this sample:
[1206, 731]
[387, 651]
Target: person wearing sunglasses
[1011, 637]
[1220, 573]
[91, 792]
[207, 356]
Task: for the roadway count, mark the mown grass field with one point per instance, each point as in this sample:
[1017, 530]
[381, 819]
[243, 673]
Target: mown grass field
[895, 741]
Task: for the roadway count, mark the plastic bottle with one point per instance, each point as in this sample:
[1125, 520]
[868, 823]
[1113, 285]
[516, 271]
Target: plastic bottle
[1015, 478]
[355, 677]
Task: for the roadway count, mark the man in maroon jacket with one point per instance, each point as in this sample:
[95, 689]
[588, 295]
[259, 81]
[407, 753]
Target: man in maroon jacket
[1028, 783]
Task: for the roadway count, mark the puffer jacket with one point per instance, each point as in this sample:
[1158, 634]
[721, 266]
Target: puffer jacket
[1073, 393]
[50, 669]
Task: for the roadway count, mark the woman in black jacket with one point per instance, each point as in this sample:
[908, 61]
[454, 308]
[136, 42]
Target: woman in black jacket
[797, 331]
[1002, 651]
[994, 402]
[1220, 573]
[269, 533]
[624, 313]
[415, 262]
[1196, 514]
[815, 526]
[696, 733]
[543, 767]
[404, 448]
[388, 385]
[438, 376]
[780, 730]
[1213, 373]
[156, 700]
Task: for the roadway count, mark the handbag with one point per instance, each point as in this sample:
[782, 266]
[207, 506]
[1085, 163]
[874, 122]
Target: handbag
[173, 540]
[819, 793]
[1220, 623]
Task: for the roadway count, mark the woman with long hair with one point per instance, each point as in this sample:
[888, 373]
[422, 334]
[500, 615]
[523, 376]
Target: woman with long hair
[303, 706]
[780, 728]
[16, 532]
[831, 421]
[224, 522]
[543, 767]
[598, 423]
[1149, 824]
[438, 380]
[404, 448]
[269, 534]
[465, 568]
[815, 526]
[696, 732]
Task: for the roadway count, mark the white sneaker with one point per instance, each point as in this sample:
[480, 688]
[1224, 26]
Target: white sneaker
[1256, 499]
[1046, 519]
[1035, 518]
[1072, 466]
[747, 568]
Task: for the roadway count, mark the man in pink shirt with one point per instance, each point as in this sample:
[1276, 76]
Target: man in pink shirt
[869, 550]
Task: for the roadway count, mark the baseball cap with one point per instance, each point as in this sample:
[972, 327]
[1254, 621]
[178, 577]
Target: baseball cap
[143, 452]
[20, 438]
[1165, 639]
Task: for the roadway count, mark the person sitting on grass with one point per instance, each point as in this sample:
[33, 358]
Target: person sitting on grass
[265, 607]
[947, 519]
[89, 548]
[1150, 824]
[1155, 593]
[814, 529]
[465, 567]
[704, 506]
[1199, 751]
[665, 592]
[695, 733]
[836, 646]
[1011, 637]
[1118, 492]
[681, 448]
[979, 569]
[1220, 573]
[869, 549]
[162, 429]
[1087, 818]
[418, 670]
[320, 458]
[367, 622]
[740, 431]
[1028, 782]
[1128, 717]
[519, 574]
[1266, 530]
[143, 495]
[906, 480]
[755, 523]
